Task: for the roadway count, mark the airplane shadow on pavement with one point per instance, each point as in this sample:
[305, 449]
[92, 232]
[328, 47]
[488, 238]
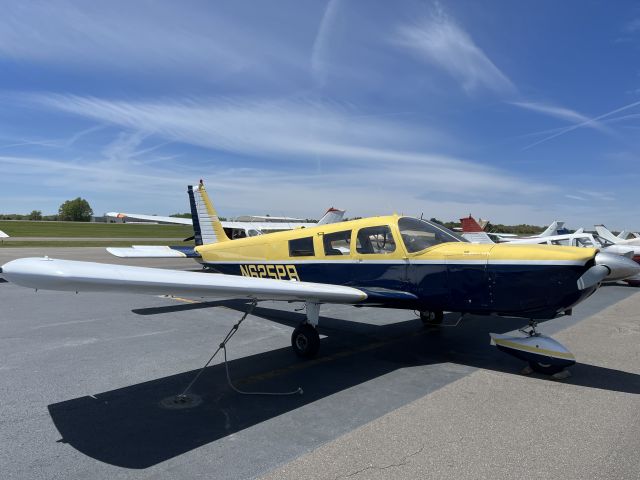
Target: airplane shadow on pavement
[129, 428]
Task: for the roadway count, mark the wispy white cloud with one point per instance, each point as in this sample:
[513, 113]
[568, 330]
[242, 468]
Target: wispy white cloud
[137, 36]
[320, 49]
[371, 165]
[300, 131]
[374, 191]
[440, 41]
[575, 197]
[598, 195]
[562, 113]
[594, 122]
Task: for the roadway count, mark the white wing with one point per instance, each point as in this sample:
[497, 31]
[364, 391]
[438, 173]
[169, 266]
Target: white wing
[150, 218]
[151, 251]
[69, 275]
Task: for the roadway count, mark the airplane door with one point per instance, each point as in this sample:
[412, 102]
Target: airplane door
[469, 281]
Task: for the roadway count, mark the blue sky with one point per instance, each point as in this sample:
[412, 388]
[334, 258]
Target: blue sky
[514, 111]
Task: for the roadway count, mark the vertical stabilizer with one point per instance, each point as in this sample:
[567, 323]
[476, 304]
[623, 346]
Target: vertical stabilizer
[552, 229]
[333, 215]
[207, 227]
[469, 225]
[473, 232]
[606, 234]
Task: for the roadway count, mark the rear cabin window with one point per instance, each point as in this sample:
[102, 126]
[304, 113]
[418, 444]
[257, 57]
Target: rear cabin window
[336, 243]
[375, 240]
[301, 247]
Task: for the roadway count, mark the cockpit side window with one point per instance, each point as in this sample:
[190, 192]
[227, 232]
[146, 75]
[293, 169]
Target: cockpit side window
[336, 243]
[375, 240]
[419, 235]
[301, 247]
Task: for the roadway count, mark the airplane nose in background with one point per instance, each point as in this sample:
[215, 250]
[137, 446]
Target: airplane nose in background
[619, 267]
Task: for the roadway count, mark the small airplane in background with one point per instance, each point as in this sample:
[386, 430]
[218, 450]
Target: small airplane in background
[625, 235]
[389, 261]
[3, 236]
[232, 230]
[604, 232]
[247, 226]
[475, 232]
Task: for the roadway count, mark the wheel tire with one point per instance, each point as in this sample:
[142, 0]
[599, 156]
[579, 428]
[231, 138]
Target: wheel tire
[432, 317]
[544, 368]
[305, 341]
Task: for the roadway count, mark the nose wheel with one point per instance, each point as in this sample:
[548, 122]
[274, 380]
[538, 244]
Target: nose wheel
[545, 368]
[432, 317]
[305, 340]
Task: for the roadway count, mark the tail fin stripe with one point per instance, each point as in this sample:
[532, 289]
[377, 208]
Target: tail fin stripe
[206, 224]
[197, 231]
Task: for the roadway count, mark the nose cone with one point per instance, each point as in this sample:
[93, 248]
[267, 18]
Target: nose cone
[619, 267]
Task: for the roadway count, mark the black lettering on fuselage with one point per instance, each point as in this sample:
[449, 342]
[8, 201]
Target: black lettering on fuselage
[278, 272]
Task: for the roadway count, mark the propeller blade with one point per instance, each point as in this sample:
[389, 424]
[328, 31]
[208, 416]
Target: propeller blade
[593, 276]
[189, 239]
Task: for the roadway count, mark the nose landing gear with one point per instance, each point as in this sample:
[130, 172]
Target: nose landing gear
[543, 354]
[432, 317]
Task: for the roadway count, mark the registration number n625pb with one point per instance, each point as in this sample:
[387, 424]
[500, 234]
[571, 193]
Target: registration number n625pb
[278, 272]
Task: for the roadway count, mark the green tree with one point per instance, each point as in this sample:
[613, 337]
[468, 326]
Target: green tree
[77, 210]
[35, 215]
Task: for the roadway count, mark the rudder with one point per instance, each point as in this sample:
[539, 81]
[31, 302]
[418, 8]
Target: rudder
[207, 227]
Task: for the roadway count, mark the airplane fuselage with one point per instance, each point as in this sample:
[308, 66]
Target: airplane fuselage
[375, 255]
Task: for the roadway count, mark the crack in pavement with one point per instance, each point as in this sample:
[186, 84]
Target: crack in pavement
[404, 461]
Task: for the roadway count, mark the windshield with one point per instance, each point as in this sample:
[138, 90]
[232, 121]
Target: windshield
[420, 234]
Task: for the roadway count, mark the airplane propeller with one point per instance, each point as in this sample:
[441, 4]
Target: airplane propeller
[608, 267]
[593, 276]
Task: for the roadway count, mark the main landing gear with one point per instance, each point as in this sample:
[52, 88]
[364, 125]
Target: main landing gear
[543, 354]
[305, 339]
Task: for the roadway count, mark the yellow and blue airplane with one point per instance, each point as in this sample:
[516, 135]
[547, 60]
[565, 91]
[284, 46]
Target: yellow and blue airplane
[388, 261]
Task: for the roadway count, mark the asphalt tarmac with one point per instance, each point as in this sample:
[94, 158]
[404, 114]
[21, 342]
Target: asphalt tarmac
[88, 384]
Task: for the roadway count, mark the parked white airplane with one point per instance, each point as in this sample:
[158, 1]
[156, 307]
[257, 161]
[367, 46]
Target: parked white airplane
[253, 226]
[605, 233]
[249, 226]
[475, 233]
[624, 235]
